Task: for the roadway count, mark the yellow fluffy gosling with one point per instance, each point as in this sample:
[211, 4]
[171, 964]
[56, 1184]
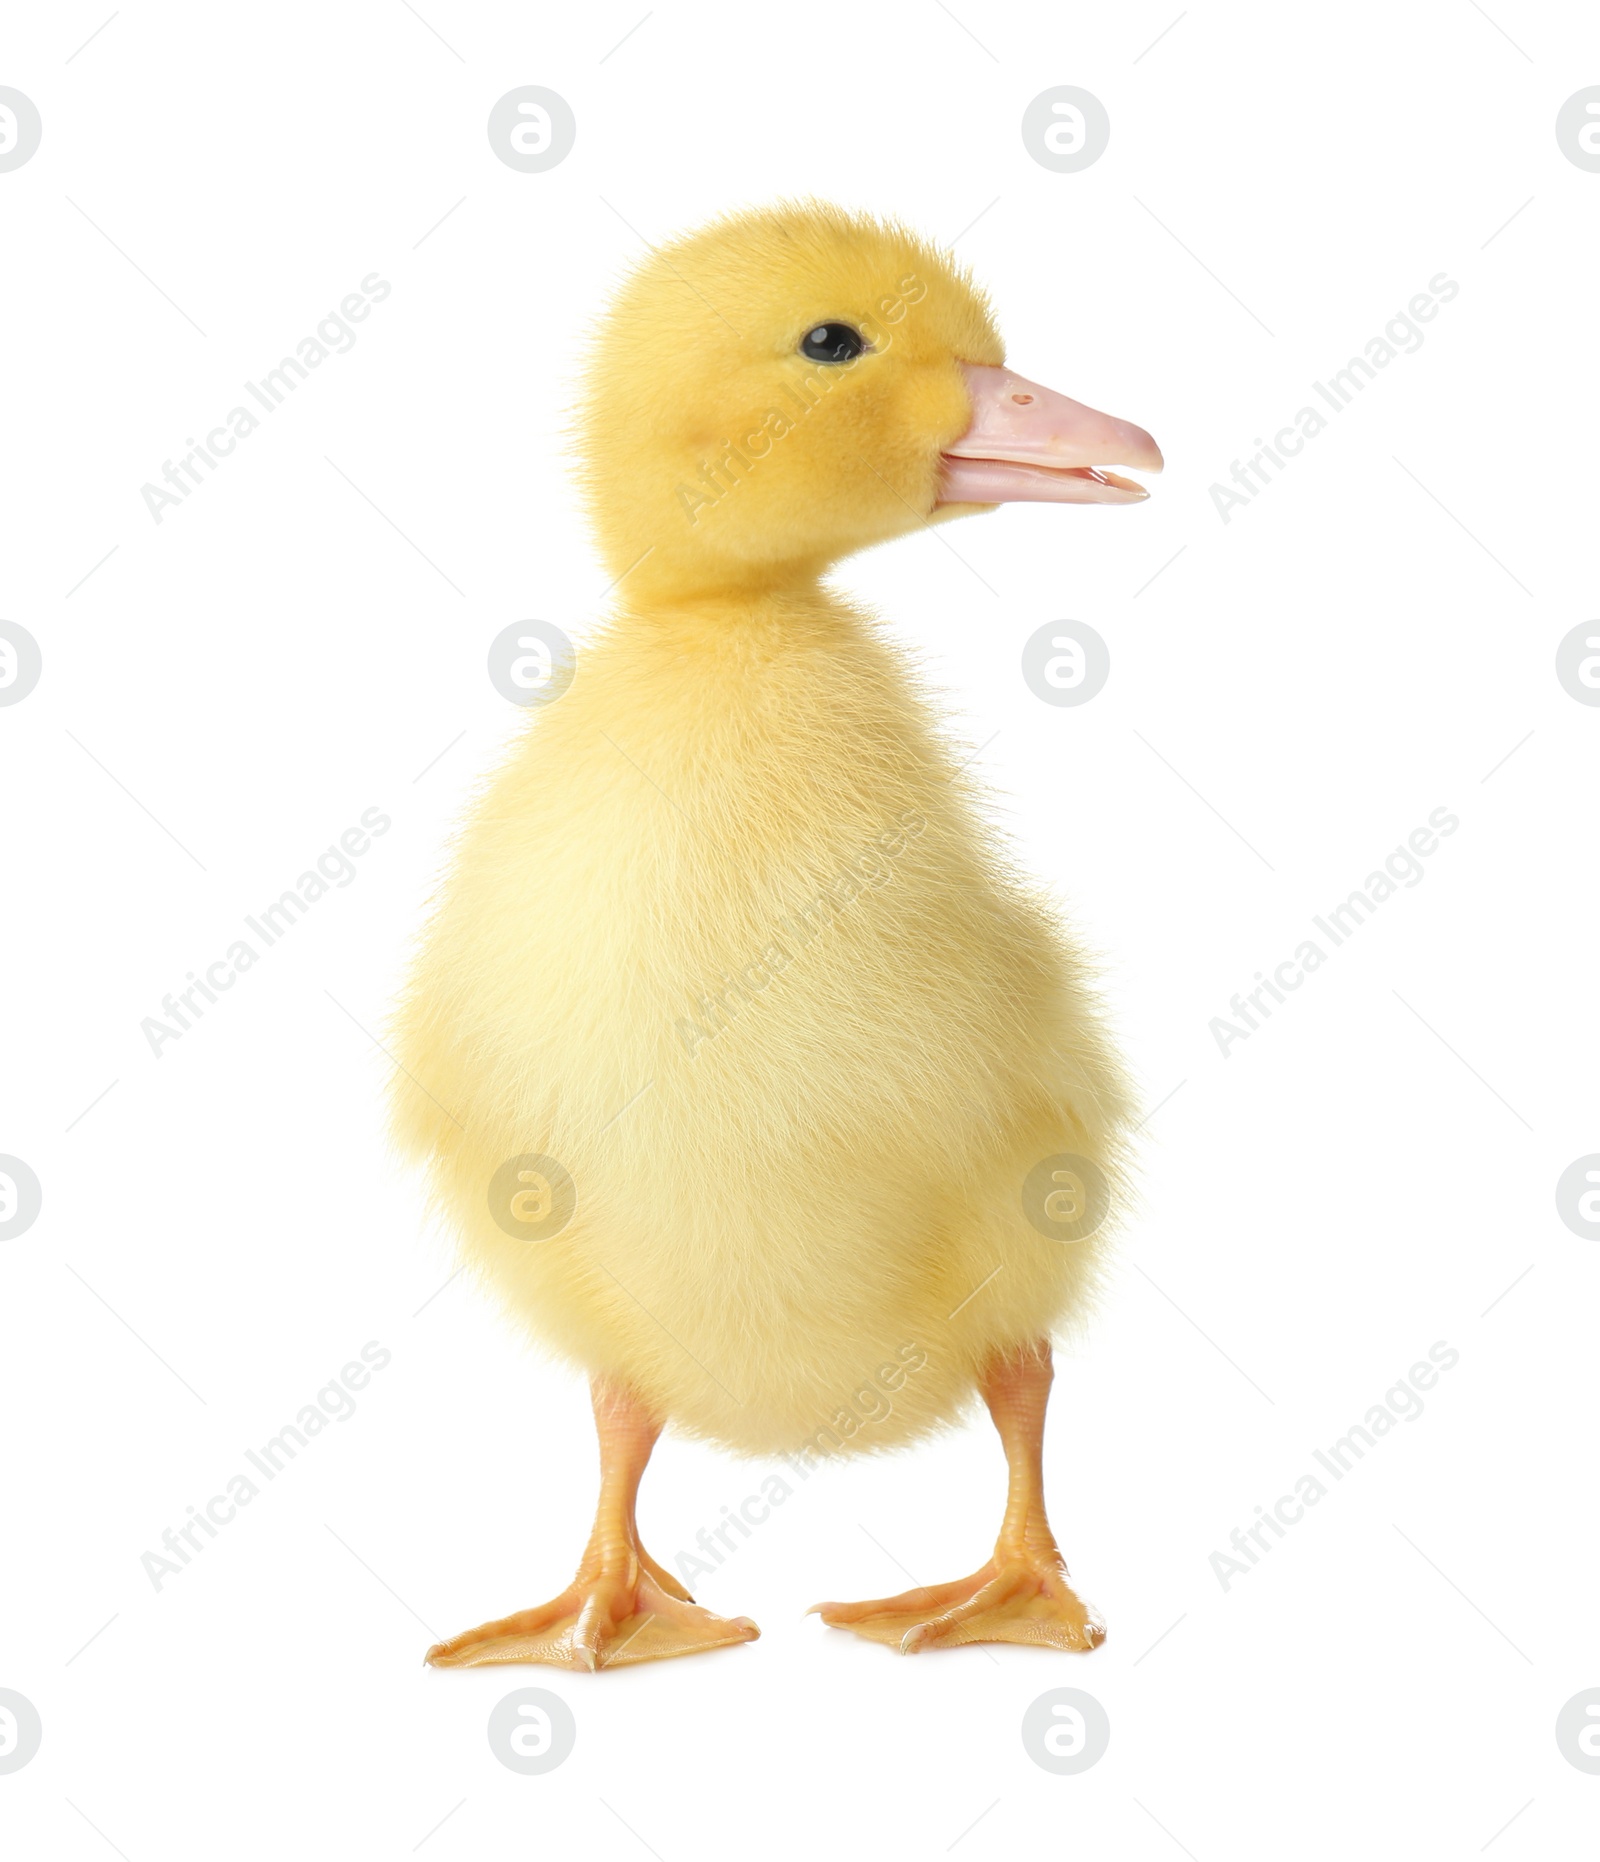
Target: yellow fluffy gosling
[734, 1038]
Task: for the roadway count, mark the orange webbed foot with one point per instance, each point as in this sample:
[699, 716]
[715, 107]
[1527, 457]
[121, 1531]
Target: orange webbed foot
[603, 1619]
[1020, 1595]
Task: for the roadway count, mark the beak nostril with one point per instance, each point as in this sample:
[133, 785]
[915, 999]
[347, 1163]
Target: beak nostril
[1022, 400]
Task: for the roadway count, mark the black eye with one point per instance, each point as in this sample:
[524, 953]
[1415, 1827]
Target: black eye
[832, 342]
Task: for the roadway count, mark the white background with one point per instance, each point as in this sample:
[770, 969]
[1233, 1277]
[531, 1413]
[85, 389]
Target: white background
[1372, 639]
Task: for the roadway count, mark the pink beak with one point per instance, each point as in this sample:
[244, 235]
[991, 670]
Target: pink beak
[1028, 443]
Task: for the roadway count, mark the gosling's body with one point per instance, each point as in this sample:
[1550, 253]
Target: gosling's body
[733, 1041]
[726, 940]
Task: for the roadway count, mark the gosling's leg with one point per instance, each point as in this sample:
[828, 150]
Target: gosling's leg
[1022, 1593]
[622, 1607]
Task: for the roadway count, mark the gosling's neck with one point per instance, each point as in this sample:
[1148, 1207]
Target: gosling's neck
[718, 610]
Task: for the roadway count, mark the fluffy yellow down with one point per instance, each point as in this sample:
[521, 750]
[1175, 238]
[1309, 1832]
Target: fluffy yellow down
[727, 936]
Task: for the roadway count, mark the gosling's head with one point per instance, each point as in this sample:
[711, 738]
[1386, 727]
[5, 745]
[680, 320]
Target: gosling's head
[785, 387]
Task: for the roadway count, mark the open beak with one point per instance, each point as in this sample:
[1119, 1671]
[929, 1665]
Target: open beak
[1030, 444]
